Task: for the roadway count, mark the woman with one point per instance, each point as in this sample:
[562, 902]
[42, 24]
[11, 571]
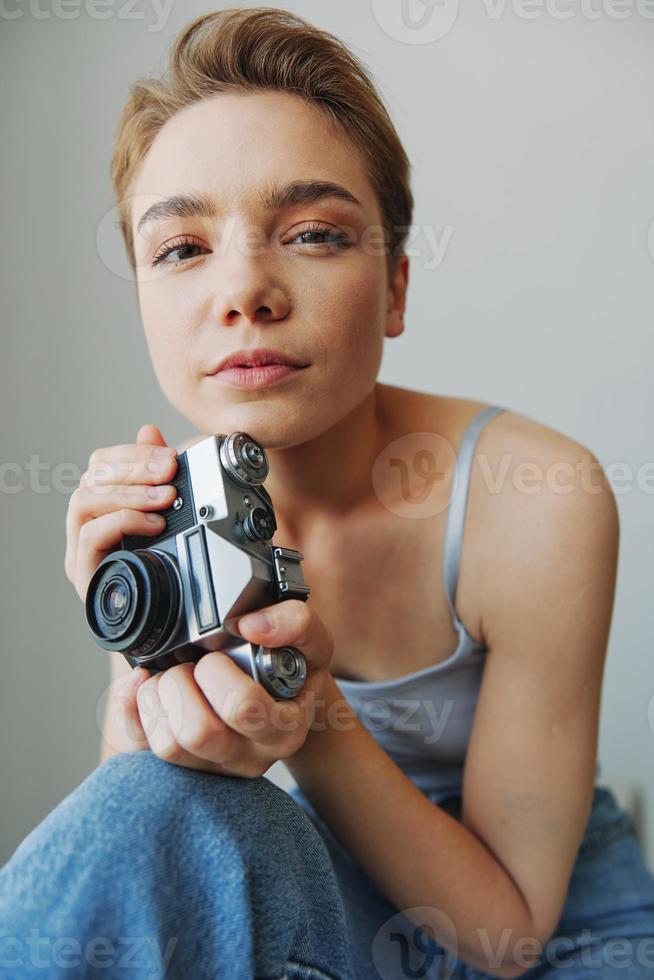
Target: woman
[446, 820]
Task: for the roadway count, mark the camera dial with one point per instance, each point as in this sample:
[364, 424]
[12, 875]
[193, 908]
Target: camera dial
[244, 459]
[259, 524]
[282, 670]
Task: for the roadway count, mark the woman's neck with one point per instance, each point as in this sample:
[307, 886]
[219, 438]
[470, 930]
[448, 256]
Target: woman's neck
[329, 477]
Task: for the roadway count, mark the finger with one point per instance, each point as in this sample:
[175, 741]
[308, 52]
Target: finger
[292, 623]
[159, 731]
[195, 725]
[155, 723]
[245, 705]
[99, 537]
[104, 462]
[130, 736]
[88, 502]
[87, 527]
[131, 463]
[150, 434]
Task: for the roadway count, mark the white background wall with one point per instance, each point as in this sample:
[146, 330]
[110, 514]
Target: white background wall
[532, 144]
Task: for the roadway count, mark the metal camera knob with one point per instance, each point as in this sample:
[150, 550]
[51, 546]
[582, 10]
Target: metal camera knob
[282, 670]
[244, 459]
[259, 524]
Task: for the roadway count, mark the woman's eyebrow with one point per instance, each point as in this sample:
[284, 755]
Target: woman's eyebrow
[292, 193]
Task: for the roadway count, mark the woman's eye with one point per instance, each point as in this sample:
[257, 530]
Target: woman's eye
[334, 239]
[337, 238]
[180, 245]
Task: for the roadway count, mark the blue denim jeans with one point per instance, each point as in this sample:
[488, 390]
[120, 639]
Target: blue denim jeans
[150, 870]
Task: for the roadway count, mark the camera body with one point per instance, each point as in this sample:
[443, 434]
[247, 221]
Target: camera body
[164, 600]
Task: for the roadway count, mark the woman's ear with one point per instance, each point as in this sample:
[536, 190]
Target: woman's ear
[397, 297]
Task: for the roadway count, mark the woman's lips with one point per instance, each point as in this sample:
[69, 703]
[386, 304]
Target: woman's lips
[255, 377]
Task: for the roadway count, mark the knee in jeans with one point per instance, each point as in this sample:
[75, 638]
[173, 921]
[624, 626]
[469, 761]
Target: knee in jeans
[148, 791]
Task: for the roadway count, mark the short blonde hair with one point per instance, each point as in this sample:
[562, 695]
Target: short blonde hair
[250, 49]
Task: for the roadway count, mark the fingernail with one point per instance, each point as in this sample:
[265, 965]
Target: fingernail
[259, 621]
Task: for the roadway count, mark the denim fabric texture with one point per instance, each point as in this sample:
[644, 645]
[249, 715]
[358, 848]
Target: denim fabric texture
[147, 869]
[150, 870]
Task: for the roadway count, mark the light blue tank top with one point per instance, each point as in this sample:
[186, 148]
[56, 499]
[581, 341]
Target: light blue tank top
[423, 720]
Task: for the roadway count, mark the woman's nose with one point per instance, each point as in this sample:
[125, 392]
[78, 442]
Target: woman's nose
[246, 288]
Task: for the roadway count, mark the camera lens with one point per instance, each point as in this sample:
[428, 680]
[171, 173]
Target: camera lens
[133, 601]
[115, 600]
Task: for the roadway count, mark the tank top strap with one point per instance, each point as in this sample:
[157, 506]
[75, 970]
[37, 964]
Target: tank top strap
[457, 507]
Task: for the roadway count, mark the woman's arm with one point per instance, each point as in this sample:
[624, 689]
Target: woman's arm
[500, 877]
[420, 857]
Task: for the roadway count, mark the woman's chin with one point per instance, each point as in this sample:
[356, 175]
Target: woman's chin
[271, 425]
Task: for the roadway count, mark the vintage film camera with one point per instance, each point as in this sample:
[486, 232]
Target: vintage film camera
[164, 600]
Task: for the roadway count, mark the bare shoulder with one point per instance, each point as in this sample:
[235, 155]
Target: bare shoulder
[539, 500]
[524, 466]
[531, 487]
[529, 440]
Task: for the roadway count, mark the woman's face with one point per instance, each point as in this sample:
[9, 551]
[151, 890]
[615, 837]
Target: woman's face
[247, 277]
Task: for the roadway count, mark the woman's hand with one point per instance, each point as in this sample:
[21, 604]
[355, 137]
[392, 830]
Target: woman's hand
[120, 493]
[213, 716]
